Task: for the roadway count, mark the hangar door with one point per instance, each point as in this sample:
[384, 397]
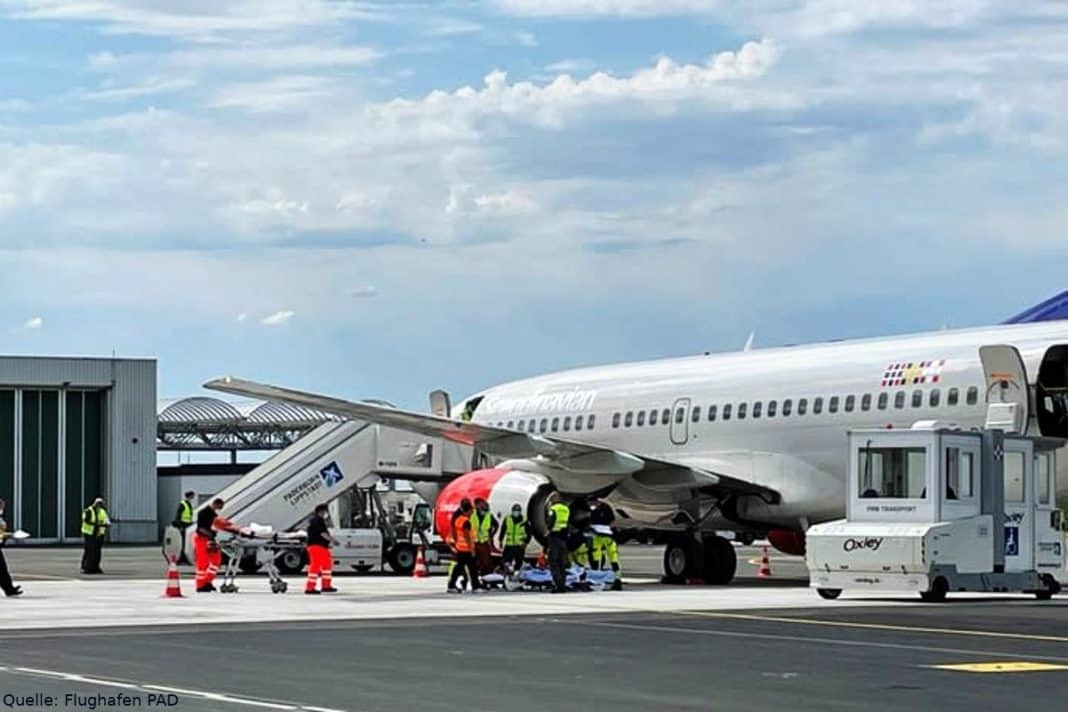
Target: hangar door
[51, 458]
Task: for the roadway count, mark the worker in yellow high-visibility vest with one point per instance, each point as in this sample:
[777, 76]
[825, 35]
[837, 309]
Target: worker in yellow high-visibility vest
[95, 523]
[483, 526]
[514, 536]
[557, 518]
[183, 519]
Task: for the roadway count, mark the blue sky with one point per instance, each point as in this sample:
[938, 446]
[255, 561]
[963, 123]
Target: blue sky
[378, 199]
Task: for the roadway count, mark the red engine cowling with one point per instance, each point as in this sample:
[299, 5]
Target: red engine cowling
[788, 541]
[502, 488]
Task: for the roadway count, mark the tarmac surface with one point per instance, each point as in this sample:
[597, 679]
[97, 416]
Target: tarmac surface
[394, 643]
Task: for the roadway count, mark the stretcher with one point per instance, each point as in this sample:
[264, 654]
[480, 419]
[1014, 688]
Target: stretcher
[262, 542]
[533, 578]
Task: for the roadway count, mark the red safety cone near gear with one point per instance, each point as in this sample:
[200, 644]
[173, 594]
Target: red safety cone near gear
[765, 565]
[174, 585]
[420, 565]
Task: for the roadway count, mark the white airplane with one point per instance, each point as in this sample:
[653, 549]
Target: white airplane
[753, 441]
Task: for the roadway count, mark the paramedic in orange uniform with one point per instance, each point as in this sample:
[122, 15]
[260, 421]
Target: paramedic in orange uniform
[320, 559]
[207, 554]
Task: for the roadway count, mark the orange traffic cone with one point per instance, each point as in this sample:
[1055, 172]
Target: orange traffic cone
[765, 565]
[174, 586]
[420, 565]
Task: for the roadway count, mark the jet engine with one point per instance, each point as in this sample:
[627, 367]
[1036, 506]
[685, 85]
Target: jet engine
[501, 487]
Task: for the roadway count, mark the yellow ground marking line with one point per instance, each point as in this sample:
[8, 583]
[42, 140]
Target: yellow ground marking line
[878, 626]
[1007, 666]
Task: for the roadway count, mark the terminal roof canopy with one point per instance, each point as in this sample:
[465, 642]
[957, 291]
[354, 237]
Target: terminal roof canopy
[206, 423]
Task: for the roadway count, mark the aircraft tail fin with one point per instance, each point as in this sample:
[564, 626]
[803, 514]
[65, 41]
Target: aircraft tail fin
[1053, 309]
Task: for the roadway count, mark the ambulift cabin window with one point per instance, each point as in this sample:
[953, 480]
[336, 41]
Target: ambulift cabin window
[1042, 478]
[959, 468]
[892, 473]
[1014, 477]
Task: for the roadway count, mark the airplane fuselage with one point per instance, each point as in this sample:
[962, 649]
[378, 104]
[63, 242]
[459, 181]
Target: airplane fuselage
[779, 417]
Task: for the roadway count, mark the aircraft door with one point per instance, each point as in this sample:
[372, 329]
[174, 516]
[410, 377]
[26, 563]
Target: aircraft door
[1006, 383]
[680, 421]
[1019, 506]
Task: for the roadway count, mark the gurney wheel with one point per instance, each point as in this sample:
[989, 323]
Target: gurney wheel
[283, 587]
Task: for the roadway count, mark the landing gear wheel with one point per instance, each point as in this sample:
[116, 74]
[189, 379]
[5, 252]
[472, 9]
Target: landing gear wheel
[402, 559]
[291, 561]
[937, 594]
[679, 561]
[829, 593]
[720, 561]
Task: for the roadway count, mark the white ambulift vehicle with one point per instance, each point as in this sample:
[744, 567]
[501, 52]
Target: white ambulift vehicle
[936, 509]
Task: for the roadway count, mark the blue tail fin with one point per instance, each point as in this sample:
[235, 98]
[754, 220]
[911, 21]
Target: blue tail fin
[1053, 309]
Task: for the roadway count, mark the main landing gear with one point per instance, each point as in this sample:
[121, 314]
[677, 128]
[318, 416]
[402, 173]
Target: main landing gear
[711, 559]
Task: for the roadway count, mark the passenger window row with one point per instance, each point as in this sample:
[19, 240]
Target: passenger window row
[801, 406]
[555, 424]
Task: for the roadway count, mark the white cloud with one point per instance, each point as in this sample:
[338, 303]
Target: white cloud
[7, 202]
[365, 292]
[33, 323]
[715, 83]
[608, 7]
[450, 27]
[279, 318]
[277, 94]
[569, 66]
[149, 87]
[527, 39]
[243, 316]
[201, 20]
[263, 57]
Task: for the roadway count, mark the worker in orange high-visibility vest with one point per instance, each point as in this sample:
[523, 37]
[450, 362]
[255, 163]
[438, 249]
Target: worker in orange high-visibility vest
[206, 550]
[320, 558]
[462, 540]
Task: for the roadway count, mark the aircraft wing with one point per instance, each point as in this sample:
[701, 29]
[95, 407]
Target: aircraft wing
[572, 462]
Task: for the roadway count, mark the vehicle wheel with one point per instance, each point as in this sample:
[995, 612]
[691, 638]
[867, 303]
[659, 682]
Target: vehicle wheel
[249, 565]
[829, 593]
[678, 561]
[720, 562]
[291, 561]
[1053, 587]
[363, 568]
[937, 594]
[402, 559]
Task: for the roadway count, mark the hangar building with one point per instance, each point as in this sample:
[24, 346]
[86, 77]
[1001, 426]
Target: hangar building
[72, 429]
